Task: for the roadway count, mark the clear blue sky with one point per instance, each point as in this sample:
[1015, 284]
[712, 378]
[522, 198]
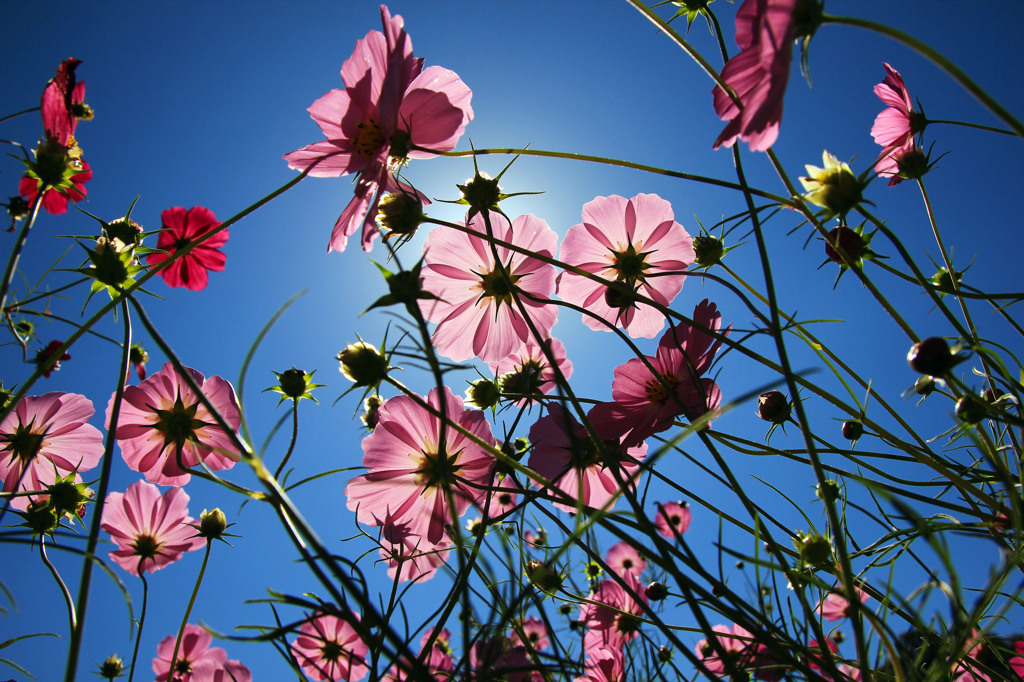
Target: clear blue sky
[196, 102]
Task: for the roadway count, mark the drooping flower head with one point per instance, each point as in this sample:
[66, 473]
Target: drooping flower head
[150, 530]
[759, 74]
[44, 437]
[474, 310]
[645, 403]
[526, 374]
[163, 421]
[564, 454]
[636, 245]
[390, 110]
[896, 126]
[194, 652]
[421, 473]
[179, 229]
[329, 648]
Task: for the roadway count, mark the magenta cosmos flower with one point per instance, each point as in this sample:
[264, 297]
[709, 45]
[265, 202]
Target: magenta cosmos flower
[59, 171]
[329, 648]
[758, 74]
[672, 519]
[565, 455]
[835, 606]
[150, 530]
[612, 613]
[895, 126]
[420, 473]
[207, 670]
[44, 437]
[193, 652]
[736, 642]
[390, 110]
[535, 634]
[634, 244]
[645, 403]
[164, 429]
[179, 228]
[603, 664]
[476, 315]
[410, 557]
[528, 373]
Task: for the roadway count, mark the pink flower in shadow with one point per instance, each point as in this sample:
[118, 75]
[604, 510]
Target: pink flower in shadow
[758, 75]
[163, 415]
[527, 372]
[150, 530]
[645, 403]
[475, 313]
[329, 648]
[624, 558]
[180, 228]
[565, 455]
[634, 244]
[43, 437]
[672, 519]
[413, 480]
[390, 110]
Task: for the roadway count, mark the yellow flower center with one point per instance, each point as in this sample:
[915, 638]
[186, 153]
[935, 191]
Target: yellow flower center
[369, 139]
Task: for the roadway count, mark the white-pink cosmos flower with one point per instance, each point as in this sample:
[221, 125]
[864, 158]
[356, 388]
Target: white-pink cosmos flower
[528, 373]
[612, 613]
[564, 454]
[624, 558]
[673, 519]
[150, 530]
[163, 415]
[476, 315]
[835, 606]
[329, 648]
[420, 472]
[390, 110]
[193, 652]
[46, 436]
[635, 245]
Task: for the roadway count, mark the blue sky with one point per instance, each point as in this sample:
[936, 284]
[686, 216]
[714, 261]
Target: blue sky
[197, 102]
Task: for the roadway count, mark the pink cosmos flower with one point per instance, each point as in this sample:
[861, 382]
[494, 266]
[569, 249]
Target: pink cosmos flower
[1017, 662]
[476, 315]
[603, 664]
[635, 244]
[207, 670]
[44, 437]
[967, 668]
[179, 229]
[391, 109]
[410, 556]
[527, 371]
[150, 530]
[535, 634]
[645, 403]
[420, 473]
[624, 558]
[193, 652]
[672, 519]
[734, 641]
[439, 661]
[564, 454]
[894, 127]
[62, 103]
[162, 416]
[835, 607]
[758, 74]
[502, 498]
[612, 613]
[329, 648]
[499, 658]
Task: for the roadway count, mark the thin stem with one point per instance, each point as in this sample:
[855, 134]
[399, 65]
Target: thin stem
[979, 126]
[19, 113]
[946, 65]
[142, 622]
[12, 262]
[75, 644]
[69, 603]
[188, 609]
[295, 436]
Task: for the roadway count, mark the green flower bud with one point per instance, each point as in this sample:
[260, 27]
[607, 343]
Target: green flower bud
[482, 394]
[212, 524]
[815, 550]
[971, 409]
[773, 407]
[400, 213]
[709, 250]
[112, 668]
[931, 356]
[481, 192]
[543, 576]
[363, 364]
[833, 187]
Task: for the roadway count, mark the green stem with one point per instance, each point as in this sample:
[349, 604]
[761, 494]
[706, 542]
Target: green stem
[975, 125]
[94, 527]
[142, 622]
[965, 81]
[12, 262]
[19, 113]
[188, 609]
[295, 436]
[69, 603]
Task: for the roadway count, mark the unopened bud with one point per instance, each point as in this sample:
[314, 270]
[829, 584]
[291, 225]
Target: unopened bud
[212, 524]
[773, 407]
[363, 364]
